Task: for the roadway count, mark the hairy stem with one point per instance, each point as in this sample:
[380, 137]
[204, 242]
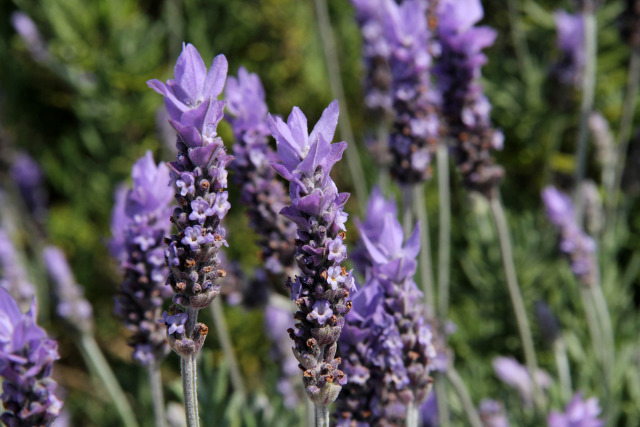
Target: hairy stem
[426, 269]
[441, 400]
[444, 244]
[189, 374]
[588, 91]
[516, 296]
[100, 367]
[157, 396]
[412, 415]
[462, 392]
[564, 371]
[335, 81]
[613, 175]
[322, 415]
[220, 323]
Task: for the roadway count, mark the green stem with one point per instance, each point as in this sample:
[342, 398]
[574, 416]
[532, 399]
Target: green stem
[588, 92]
[412, 415]
[157, 396]
[616, 168]
[441, 400]
[564, 371]
[188, 367]
[592, 323]
[426, 270]
[407, 212]
[322, 415]
[335, 81]
[516, 296]
[100, 367]
[461, 390]
[444, 250]
[220, 323]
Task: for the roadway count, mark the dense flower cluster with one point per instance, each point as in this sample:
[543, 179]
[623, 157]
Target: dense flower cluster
[386, 342]
[579, 247]
[569, 69]
[322, 288]
[261, 191]
[26, 362]
[375, 51]
[492, 414]
[13, 278]
[416, 125]
[464, 105]
[512, 373]
[200, 178]
[578, 413]
[71, 304]
[139, 223]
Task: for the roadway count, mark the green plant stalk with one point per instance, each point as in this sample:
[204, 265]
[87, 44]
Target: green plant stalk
[412, 415]
[613, 175]
[592, 323]
[329, 48]
[407, 211]
[100, 367]
[444, 244]
[157, 396]
[188, 369]
[564, 371]
[586, 106]
[461, 390]
[322, 415]
[520, 46]
[443, 407]
[426, 269]
[516, 296]
[220, 323]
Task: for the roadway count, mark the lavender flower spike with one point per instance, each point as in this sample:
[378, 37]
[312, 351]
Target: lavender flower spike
[200, 178]
[26, 362]
[578, 413]
[72, 306]
[386, 343]
[464, 105]
[305, 160]
[512, 373]
[416, 126]
[138, 225]
[261, 191]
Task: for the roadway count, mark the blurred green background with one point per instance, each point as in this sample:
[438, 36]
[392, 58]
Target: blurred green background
[85, 114]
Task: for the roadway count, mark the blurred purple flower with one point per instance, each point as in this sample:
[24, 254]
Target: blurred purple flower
[429, 411]
[26, 363]
[578, 413]
[578, 246]
[570, 67]
[305, 160]
[492, 414]
[72, 306]
[416, 126]
[28, 31]
[387, 346]
[464, 104]
[260, 190]
[28, 177]
[139, 223]
[512, 373]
